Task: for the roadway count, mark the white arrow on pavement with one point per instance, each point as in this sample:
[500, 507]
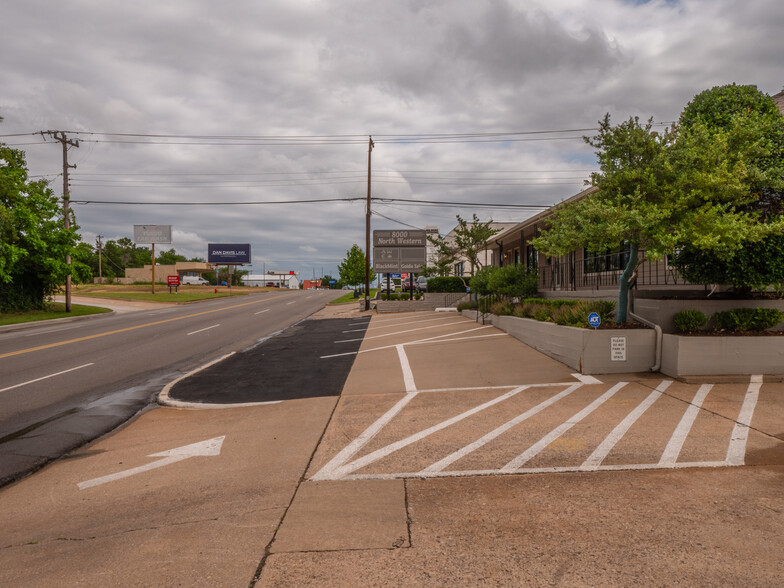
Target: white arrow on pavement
[201, 449]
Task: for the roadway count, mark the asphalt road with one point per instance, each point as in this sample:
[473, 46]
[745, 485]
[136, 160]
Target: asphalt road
[63, 384]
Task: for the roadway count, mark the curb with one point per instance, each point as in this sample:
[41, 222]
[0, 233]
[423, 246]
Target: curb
[57, 321]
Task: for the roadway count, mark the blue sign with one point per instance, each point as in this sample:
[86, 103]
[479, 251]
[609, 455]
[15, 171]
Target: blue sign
[395, 276]
[594, 320]
[228, 253]
[332, 282]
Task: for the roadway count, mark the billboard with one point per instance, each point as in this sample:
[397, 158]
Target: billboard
[228, 253]
[152, 233]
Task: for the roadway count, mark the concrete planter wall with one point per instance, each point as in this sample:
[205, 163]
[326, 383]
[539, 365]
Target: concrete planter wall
[587, 350]
[430, 301]
[696, 356]
[660, 311]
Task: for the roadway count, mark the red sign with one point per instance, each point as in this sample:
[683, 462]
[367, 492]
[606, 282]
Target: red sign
[173, 280]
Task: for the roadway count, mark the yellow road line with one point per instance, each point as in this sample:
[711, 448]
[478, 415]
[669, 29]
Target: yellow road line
[169, 320]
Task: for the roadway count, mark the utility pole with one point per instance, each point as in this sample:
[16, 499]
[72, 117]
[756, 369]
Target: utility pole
[66, 142]
[100, 249]
[367, 232]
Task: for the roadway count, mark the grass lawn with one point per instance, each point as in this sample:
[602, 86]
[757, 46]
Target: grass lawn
[350, 297]
[163, 295]
[54, 310]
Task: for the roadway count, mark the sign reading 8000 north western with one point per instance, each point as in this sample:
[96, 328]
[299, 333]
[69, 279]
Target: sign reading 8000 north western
[399, 251]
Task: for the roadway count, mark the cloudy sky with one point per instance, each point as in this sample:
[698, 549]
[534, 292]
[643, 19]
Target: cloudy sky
[189, 111]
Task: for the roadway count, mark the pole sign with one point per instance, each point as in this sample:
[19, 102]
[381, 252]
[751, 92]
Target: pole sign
[228, 253]
[396, 252]
[173, 280]
[152, 233]
[594, 319]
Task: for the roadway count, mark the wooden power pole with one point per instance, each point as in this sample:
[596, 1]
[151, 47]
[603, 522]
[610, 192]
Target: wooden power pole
[367, 232]
[66, 142]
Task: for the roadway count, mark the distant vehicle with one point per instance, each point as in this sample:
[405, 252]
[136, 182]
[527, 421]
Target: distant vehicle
[420, 283]
[387, 281]
[196, 280]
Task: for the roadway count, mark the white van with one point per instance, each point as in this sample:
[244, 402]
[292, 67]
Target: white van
[196, 280]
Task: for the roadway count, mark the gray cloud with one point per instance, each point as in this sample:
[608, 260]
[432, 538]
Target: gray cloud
[351, 67]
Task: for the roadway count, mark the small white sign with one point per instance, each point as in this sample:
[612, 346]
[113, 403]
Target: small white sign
[617, 348]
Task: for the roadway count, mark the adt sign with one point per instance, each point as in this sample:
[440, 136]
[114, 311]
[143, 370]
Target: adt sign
[594, 319]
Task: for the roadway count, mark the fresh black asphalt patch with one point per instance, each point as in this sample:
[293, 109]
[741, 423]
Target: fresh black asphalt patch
[284, 367]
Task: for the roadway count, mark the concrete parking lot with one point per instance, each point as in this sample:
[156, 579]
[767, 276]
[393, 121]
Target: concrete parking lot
[454, 455]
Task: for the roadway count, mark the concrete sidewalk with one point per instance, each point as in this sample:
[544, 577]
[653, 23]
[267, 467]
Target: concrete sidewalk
[414, 476]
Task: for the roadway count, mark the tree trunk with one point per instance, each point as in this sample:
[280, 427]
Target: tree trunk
[623, 285]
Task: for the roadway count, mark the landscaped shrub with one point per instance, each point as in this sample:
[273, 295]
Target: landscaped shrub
[467, 306]
[576, 315]
[747, 319]
[446, 284]
[480, 282]
[512, 281]
[689, 321]
[417, 295]
[502, 308]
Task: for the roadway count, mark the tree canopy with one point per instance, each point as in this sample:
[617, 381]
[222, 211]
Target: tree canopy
[694, 186]
[352, 270]
[33, 240]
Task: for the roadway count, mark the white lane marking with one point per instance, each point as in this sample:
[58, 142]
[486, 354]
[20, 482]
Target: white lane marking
[586, 379]
[292, 302]
[210, 447]
[408, 375]
[355, 331]
[537, 447]
[547, 470]
[420, 341]
[262, 311]
[675, 444]
[359, 324]
[482, 441]
[328, 472]
[417, 322]
[204, 329]
[401, 332]
[393, 447]
[45, 377]
[736, 452]
[52, 331]
[603, 449]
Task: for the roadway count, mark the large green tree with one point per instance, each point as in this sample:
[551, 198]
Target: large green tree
[352, 269]
[33, 242]
[656, 192]
[751, 115]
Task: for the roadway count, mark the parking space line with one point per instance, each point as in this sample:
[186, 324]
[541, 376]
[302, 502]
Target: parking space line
[408, 375]
[420, 341]
[675, 444]
[736, 452]
[418, 322]
[329, 471]
[537, 447]
[597, 457]
[401, 332]
[482, 441]
[393, 447]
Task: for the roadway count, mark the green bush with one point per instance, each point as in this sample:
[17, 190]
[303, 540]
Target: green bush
[446, 284]
[467, 306]
[689, 321]
[747, 319]
[513, 281]
[417, 295]
[502, 308]
[480, 283]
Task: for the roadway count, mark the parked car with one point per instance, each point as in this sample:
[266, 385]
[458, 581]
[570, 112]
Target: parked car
[387, 282]
[420, 283]
[195, 280]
